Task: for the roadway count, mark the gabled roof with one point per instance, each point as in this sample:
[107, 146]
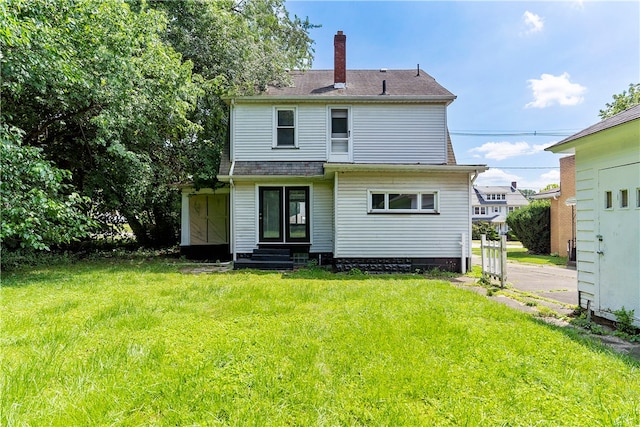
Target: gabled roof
[513, 196]
[400, 84]
[628, 115]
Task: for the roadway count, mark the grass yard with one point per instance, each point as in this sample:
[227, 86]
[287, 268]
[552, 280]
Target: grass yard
[137, 343]
[520, 254]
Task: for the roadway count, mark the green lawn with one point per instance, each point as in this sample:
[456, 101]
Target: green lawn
[520, 254]
[137, 343]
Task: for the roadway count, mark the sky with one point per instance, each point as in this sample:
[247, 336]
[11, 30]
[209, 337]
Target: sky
[526, 74]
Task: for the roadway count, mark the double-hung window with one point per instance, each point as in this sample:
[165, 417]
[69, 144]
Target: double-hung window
[403, 202]
[285, 128]
[480, 210]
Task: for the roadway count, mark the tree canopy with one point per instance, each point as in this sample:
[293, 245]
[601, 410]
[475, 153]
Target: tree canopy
[622, 101]
[127, 96]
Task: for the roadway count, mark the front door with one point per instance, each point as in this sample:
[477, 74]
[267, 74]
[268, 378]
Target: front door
[617, 247]
[283, 214]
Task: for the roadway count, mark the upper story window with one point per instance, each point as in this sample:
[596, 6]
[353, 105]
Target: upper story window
[285, 125]
[403, 202]
[496, 197]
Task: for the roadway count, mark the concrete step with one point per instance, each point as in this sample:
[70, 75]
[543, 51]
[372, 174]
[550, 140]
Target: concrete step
[262, 265]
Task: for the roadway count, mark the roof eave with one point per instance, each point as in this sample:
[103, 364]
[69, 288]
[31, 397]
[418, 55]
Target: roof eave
[447, 99]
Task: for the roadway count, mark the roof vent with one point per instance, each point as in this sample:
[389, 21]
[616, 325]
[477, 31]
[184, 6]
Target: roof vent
[383, 70]
[384, 87]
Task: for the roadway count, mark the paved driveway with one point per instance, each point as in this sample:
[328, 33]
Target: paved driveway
[556, 287]
[556, 283]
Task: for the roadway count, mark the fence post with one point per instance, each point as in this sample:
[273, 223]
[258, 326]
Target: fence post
[483, 243]
[503, 260]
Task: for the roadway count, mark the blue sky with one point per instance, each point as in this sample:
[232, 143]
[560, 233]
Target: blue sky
[516, 68]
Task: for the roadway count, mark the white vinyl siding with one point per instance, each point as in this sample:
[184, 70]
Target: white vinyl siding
[244, 212]
[399, 134]
[600, 153]
[322, 217]
[585, 229]
[392, 133]
[246, 223]
[254, 130]
[360, 234]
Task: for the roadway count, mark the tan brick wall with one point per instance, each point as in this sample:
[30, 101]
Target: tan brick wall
[563, 216]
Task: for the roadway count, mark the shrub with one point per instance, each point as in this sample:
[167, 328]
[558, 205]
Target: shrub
[483, 227]
[532, 226]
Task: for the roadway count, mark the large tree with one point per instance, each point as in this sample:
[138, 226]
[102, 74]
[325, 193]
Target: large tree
[622, 101]
[238, 47]
[107, 91]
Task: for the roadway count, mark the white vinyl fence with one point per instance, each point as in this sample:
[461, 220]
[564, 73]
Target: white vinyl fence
[494, 259]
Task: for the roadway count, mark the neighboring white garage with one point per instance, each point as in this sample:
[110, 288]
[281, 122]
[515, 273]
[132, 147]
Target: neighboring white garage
[607, 157]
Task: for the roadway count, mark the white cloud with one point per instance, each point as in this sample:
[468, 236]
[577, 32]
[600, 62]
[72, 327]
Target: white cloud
[534, 22]
[504, 150]
[550, 90]
[551, 177]
[496, 177]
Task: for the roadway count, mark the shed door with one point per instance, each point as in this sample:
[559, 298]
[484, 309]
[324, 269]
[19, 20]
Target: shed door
[618, 239]
[209, 219]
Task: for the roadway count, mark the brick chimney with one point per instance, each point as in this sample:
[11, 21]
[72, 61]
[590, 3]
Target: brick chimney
[339, 60]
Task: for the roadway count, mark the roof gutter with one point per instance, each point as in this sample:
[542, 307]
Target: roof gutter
[448, 99]
[378, 167]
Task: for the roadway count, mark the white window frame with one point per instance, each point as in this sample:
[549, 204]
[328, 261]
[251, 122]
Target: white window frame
[623, 195]
[417, 210]
[274, 144]
[480, 210]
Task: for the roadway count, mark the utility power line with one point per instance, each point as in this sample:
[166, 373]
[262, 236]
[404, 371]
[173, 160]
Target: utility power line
[557, 132]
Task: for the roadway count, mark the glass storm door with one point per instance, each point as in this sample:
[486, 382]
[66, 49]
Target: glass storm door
[340, 143]
[284, 214]
[270, 214]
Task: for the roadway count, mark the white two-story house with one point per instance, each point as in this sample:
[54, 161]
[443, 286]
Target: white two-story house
[492, 204]
[349, 167]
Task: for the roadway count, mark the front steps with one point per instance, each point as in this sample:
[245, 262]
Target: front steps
[266, 259]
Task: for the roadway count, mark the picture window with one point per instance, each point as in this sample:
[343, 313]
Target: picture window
[403, 202]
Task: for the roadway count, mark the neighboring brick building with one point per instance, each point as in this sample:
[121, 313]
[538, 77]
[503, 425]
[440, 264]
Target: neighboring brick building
[563, 212]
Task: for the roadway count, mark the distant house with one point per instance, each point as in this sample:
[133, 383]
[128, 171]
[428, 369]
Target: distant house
[607, 162]
[563, 210]
[493, 203]
[353, 168]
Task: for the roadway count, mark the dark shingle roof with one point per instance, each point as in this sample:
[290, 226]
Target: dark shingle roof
[258, 168]
[628, 115]
[362, 83]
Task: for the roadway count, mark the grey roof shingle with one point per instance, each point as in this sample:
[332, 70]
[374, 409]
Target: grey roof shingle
[361, 83]
[263, 168]
[628, 115]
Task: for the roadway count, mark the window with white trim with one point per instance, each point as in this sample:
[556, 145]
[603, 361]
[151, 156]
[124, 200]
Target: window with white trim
[624, 198]
[285, 128]
[479, 210]
[403, 201]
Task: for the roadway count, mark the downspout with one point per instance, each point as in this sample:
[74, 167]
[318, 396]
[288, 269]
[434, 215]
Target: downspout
[232, 193]
[232, 238]
[466, 238]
